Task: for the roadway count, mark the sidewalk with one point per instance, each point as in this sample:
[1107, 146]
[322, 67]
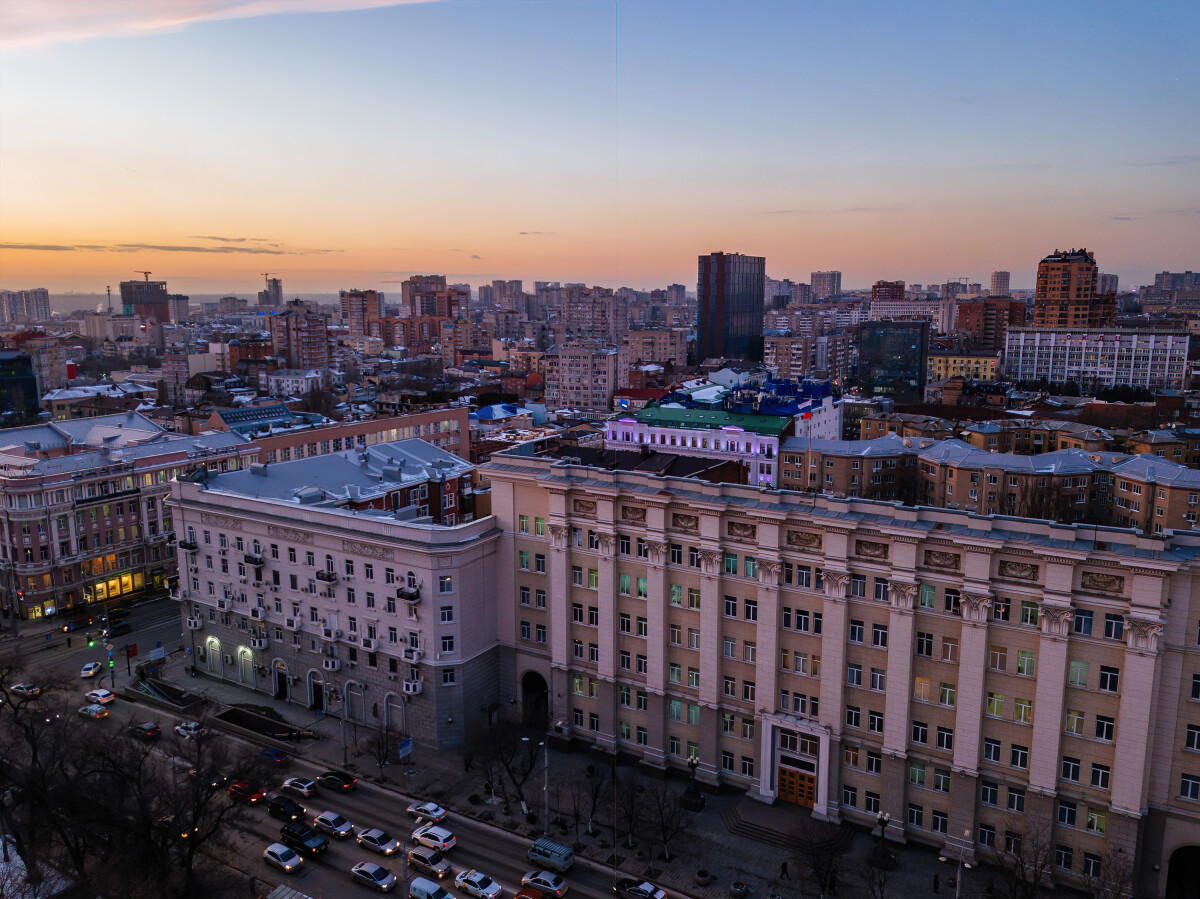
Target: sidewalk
[736, 838]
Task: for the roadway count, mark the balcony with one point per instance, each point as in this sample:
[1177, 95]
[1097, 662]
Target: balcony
[413, 687]
[329, 577]
[255, 559]
[188, 545]
[410, 595]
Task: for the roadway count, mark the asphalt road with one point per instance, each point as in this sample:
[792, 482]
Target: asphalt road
[498, 854]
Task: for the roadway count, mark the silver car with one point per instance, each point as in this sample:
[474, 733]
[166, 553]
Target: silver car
[333, 824]
[377, 841]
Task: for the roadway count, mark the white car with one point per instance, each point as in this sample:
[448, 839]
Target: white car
[377, 841]
[29, 690]
[282, 857]
[101, 696]
[333, 824]
[430, 811]
[91, 669]
[301, 785]
[191, 730]
[476, 883]
[546, 881]
[434, 837]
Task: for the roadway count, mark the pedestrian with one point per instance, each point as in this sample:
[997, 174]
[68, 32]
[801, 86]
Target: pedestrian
[937, 884]
[783, 871]
[68, 642]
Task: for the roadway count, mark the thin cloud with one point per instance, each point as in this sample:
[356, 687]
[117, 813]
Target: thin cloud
[265, 240]
[1180, 159]
[476, 256]
[534, 233]
[167, 248]
[39, 23]
[1122, 218]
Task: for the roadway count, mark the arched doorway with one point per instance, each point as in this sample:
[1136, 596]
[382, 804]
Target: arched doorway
[212, 652]
[282, 681]
[1183, 873]
[394, 717]
[316, 692]
[535, 701]
[355, 702]
[245, 666]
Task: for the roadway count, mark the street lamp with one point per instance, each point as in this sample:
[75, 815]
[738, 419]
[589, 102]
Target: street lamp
[545, 785]
[961, 864]
[882, 856]
[692, 798]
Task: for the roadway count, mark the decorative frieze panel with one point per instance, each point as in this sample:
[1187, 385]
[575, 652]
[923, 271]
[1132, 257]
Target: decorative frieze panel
[870, 550]
[742, 530]
[940, 559]
[803, 540]
[1102, 583]
[370, 550]
[1018, 571]
[221, 521]
[633, 515]
[290, 534]
[689, 523]
[584, 507]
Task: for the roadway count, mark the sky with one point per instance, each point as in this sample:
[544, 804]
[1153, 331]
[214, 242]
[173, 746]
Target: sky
[350, 143]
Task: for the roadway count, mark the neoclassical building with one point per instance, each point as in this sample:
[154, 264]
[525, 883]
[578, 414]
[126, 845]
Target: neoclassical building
[962, 673]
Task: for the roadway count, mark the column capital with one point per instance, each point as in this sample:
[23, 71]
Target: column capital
[975, 605]
[657, 550]
[835, 583]
[710, 558]
[558, 535]
[902, 595]
[1055, 621]
[1144, 634]
[768, 572]
[606, 542]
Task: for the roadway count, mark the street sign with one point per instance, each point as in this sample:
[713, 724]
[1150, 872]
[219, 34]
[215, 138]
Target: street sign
[157, 654]
[404, 748]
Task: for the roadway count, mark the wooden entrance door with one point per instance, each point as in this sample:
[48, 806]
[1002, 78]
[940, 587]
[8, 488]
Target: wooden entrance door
[797, 787]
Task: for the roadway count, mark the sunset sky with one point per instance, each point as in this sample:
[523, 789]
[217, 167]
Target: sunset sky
[349, 144]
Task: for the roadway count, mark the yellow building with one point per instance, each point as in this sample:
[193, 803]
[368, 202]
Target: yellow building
[972, 366]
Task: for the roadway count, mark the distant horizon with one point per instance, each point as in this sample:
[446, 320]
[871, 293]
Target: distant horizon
[604, 141]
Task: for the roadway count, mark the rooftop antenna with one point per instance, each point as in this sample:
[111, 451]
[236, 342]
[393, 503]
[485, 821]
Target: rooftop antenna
[146, 275]
[108, 290]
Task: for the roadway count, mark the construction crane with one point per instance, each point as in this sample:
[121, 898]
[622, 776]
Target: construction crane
[144, 274]
[268, 274]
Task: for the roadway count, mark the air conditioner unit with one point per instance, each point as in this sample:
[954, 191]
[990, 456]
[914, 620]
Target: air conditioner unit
[337, 635]
[391, 677]
[223, 605]
[413, 687]
[331, 664]
[258, 642]
[368, 643]
[193, 569]
[258, 613]
[327, 633]
[293, 624]
[258, 583]
[223, 551]
[347, 577]
[412, 654]
[195, 624]
[241, 580]
[274, 588]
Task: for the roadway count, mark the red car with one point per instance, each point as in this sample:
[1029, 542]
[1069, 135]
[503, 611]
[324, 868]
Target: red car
[246, 792]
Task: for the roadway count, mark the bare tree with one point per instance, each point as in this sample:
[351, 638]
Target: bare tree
[1025, 862]
[820, 847]
[875, 879]
[383, 744]
[1115, 878]
[628, 805]
[666, 817]
[508, 753]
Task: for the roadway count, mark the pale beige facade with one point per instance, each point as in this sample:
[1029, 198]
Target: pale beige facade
[962, 673]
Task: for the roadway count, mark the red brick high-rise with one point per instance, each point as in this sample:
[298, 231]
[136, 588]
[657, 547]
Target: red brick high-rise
[1066, 293]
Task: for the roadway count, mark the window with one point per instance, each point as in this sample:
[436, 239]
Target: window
[675, 673]
[920, 732]
[921, 688]
[850, 796]
[593, 616]
[1100, 776]
[927, 597]
[995, 705]
[750, 609]
[991, 750]
[693, 597]
[1091, 865]
[875, 722]
[729, 647]
[1070, 769]
[881, 589]
[871, 804]
[1096, 821]
[1023, 710]
[856, 632]
[989, 792]
[1029, 613]
[858, 585]
[1064, 857]
[916, 815]
[676, 595]
[1066, 813]
[874, 762]
[623, 659]
[1192, 741]
[748, 690]
[1019, 756]
[731, 563]
[576, 608]
[998, 658]
[1026, 662]
[852, 716]
[916, 774]
[1073, 723]
[624, 583]
[522, 524]
[878, 679]
[729, 686]
[523, 560]
[1109, 678]
[949, 649]
[879, 635]
[539, 563]
[987, 836]
[950, 602]
[624, 623]
[854, 675]
[1083, 622]
[1104, 728]
[730, 607]
[577, 575]
[1016, 800]
[1189, 787]
[446, 583]
[1012, 843]
[1077, 673]
[945, 739]
[941, 780]
[1001, 608]
[924, 644]
[1114, 627]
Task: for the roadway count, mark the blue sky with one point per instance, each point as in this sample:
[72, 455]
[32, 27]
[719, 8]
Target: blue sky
[595, 141]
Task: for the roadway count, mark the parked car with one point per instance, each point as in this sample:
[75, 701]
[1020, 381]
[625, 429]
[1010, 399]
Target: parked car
[301, 785]
[91, 669]
[214, 780]
[476, 883]
[101, 696]
[94, 711]
[374, 875]
[246, 792]
[147, 730]
[434, 837]
[284, 809]
[430, 811]
[377, 841]
[27, 690]
[546, 881]
[631, 888]
[529, 893]
[338, 780]
[333, 824]
[191, 730]
[283, 857]
[119, 629]
[275, 757]
[303, 838]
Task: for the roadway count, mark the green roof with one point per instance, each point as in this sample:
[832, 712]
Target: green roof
[712, 420]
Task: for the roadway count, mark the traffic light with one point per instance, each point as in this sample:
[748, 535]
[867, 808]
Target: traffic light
[110, 663]
[91, 641]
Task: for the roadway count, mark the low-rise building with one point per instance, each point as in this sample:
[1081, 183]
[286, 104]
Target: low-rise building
[972, 366]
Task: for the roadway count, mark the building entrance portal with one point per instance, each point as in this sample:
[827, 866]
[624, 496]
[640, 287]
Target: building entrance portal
[797, 787]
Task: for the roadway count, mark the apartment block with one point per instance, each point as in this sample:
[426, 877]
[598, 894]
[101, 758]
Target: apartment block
[827, 356]
[662, 345]
[972, 366]
[328, 583]
[1098, 357]
[963, 674]
[584, 374]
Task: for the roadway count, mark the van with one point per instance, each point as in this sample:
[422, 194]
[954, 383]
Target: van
[431, 861]
[549, 854]
[420, 888]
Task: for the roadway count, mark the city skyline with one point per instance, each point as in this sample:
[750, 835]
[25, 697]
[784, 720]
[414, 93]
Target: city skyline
[880, 143]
